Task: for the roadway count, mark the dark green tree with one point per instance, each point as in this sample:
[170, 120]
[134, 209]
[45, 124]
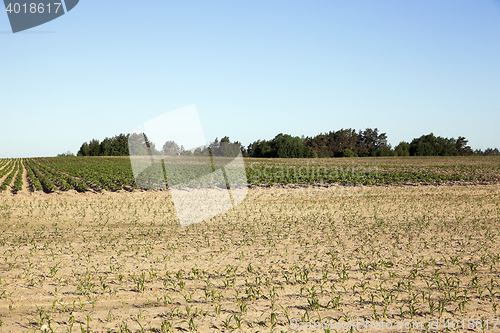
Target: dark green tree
[402, 149]
[84, 150]
[491, 152]
[95, 147]
[282, 146]
[119, 145]
[349, 153]
[105, 147]
[462, 148]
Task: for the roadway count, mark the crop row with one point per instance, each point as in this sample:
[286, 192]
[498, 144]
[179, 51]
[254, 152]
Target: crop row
[55, 178]
[107, 173]
[64, 181]
[32, 178]
[7, 168]
[46, 184]
[4, 162]
[18, 184]
[8, 180]
[200, 175]
[359, 175]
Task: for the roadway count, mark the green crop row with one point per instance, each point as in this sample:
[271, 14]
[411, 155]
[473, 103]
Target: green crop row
[3, 162]
[47, 184]
[7, 168]
[55, 177]
[18, 184]
[67, 182]
[110, 173]
[10, 176]
[365, 176]
[34, 181]
[107, 173]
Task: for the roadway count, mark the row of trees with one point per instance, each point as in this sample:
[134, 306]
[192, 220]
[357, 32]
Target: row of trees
[282, 146]
[352, 143]
[430, 145]
[139, 144]
[115, 146]
[348, 142]
[341, 143]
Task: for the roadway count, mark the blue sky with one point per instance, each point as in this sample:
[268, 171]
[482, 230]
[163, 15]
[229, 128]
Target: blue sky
[253, 69]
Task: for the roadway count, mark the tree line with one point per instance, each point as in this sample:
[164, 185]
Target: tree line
[341, 143]
[352, 143]
[115, 146]
[139, 144]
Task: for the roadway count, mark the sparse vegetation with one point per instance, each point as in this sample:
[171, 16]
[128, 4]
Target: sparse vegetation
[120, 261]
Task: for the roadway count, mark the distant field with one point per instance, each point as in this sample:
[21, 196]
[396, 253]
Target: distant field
[376, 170]
[115, 173]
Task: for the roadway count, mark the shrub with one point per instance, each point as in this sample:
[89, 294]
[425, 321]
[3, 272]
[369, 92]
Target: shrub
[349, 153]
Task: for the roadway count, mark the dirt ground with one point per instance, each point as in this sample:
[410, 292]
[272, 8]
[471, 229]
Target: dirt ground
[284, 260]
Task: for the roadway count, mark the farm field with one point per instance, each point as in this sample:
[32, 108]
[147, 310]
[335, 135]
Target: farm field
[104, 256]
[97, 174]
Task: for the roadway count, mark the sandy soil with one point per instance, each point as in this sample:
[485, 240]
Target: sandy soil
[121, 262]
[26, 184]
[1, 167]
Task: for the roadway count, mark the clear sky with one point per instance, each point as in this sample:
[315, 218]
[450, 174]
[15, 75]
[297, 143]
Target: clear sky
[253, 69]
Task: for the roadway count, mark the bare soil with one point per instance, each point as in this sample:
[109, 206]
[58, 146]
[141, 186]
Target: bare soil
[119, 261]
